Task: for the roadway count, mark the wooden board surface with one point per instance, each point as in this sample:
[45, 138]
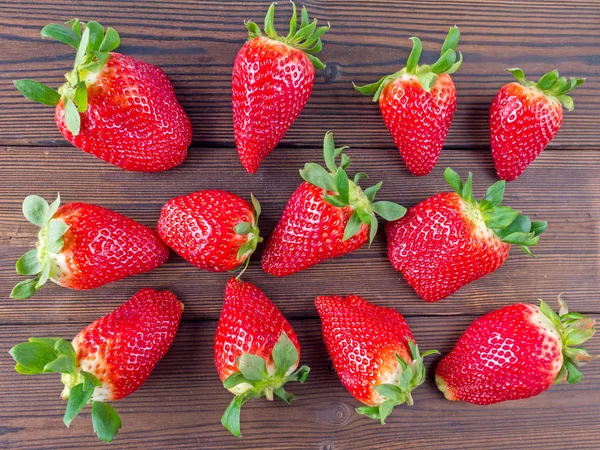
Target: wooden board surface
[195, 43]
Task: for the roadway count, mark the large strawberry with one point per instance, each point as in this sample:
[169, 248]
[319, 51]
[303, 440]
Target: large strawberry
[214, 230]
[256, 350]
[418, 103]
[451, 239]
[83, 246]
[373, 351]
[524, 117]
[272, 80]
[113, 106]
[109, 359]
[515, 352]
[328, 216]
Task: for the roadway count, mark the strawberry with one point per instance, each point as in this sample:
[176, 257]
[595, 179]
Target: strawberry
[451, 239]
[515, 352]
[109, 359]
[418, 103]
[373, 351]
[113, 106]
[213, 230]
[83, 246]
[256, 350]
[328, 216]
[273, 78]
[524, 117]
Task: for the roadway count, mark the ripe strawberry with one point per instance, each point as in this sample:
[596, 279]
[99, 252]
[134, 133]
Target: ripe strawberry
[113, 106]
[328, 216]
[524, 117]
[418, 103]
[256, 350]
[451, 239]
[515, 352]
[272, 80]
[213, 230]
[373, 351]
[83, 246]
[109, 359]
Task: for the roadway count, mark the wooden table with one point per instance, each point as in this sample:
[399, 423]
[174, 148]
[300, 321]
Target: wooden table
[195, 42]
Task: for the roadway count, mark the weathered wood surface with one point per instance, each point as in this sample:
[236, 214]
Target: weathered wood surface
[195, 43]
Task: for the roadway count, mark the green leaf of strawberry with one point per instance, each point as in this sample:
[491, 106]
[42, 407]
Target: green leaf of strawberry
[106, 421]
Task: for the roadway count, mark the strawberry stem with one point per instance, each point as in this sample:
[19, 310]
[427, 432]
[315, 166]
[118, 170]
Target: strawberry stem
[551, 85]
[307, 38]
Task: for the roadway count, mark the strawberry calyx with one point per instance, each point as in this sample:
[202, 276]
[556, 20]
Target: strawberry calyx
[574, 329]
[425, 74]
[40, 261]
[340, 191]
[551, 85]
[508, 224]
[93, 47]
[255, 379]
[55, 355]
[306, 38]
[251, 231]
[412, 376]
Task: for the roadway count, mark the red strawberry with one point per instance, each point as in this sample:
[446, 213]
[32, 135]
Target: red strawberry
[213, 230]
[109, 359]
[113, 106]
[256, 350]
[451, 239]
[524, 117]
[418, 103]
[272, 80]
[83, 246]
[328, 216]
[515, 352]
[373, 351]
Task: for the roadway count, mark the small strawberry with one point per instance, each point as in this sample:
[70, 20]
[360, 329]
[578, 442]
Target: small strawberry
[213, 230]
[373, 351]
[524, 117]
[451, 239]
[109, 359]
[83, 246]
[273, 77]
[515, 352]
[256, 350]
[328, 216]
[113, 106]
[418, 103]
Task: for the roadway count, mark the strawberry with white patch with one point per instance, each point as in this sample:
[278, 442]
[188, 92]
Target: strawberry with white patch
[109, 359]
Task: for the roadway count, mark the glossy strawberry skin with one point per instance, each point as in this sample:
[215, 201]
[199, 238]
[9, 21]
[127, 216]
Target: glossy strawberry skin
[418, 120]
[508, 354]
[102, 246]
[271, 84]
[122, 348]
[249, 323]
[522, 122]
[133, 119]
[200, 228]
[362, 340]
[439, 249]
[310, 231]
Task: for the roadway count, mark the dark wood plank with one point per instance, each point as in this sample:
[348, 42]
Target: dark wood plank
[181, 404]
[560, 188]
[196, 43]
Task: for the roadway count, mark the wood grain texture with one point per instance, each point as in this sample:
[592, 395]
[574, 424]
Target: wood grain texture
[181, 404]
[195, 42]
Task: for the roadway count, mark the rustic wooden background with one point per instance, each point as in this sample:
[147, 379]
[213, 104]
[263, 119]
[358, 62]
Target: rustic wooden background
[195, 42]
